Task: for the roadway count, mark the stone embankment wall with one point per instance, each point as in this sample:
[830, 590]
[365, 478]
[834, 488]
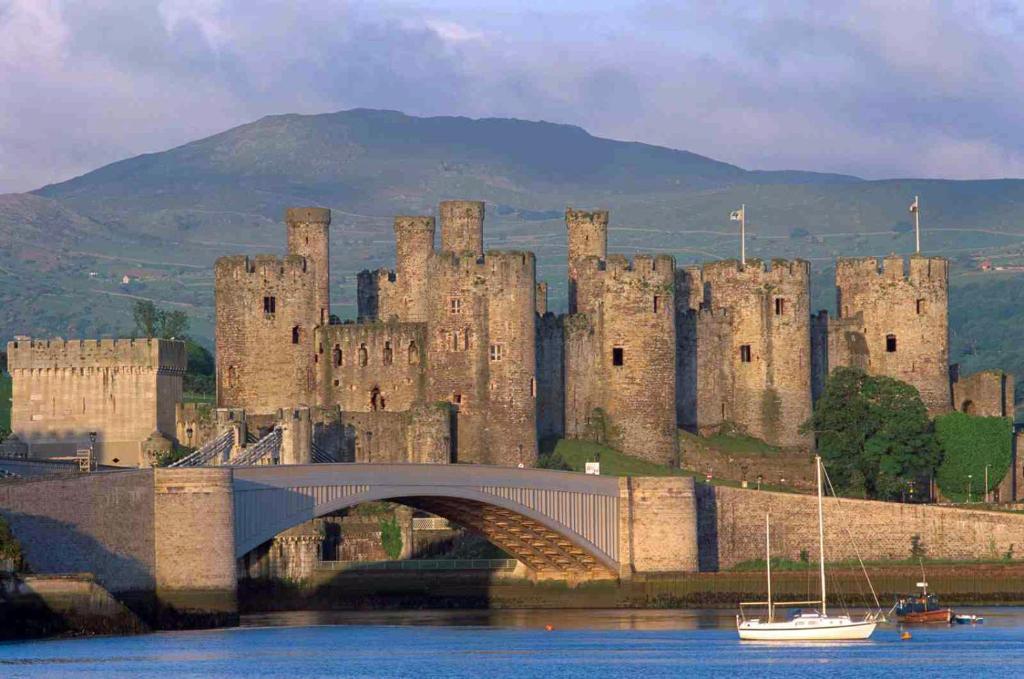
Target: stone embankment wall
[731, 529]
[658, 523]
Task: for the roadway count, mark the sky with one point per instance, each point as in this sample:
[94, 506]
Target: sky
[876, 88]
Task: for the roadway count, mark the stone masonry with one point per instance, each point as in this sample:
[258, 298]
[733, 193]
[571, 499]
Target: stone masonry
[123, 390]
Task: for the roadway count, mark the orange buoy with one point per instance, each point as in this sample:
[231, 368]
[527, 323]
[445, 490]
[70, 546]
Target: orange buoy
[548, 628]
[905, 636]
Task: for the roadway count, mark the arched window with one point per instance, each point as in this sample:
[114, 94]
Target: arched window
[388, 354]
[890, 343]
[375, 399]
[364, 357]
[231, 376]
[295, 335]
[414, 353]
[337, 356]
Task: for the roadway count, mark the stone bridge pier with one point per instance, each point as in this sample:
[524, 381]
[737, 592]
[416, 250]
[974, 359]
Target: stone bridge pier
[170, 539]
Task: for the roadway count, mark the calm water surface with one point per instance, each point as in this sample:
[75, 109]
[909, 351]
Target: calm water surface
[482, 644]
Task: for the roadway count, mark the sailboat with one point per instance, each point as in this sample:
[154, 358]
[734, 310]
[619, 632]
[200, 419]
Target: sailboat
[815, 625]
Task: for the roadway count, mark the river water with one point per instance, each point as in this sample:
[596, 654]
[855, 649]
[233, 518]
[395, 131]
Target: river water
[497, 644]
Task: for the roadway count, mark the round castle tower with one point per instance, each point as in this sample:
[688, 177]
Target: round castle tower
[588, 237]
[414, 246]
[309, 236]
[462, 227]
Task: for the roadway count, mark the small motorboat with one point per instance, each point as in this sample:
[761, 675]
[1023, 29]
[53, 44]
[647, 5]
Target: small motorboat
[965, 619]
[922, 608]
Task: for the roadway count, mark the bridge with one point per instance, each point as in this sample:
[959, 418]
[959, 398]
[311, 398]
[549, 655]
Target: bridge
[553, 522]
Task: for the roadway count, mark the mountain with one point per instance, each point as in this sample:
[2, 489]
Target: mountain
[162, 218]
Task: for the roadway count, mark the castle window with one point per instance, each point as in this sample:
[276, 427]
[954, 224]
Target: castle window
[745, 353]
[533, 387]
[270, 305]
[780, 306]
[414, 354]
[337, 356]
[657, 303]
[455, 305]
[388, 354]
[376, 400]
[337, 383]
[455, 341]
[920, 306]
[465, 340]
[496, 351]
[364, 357]
[618, 355]
[295, 335]
[890, 343]
[231, 376]
[457, 399]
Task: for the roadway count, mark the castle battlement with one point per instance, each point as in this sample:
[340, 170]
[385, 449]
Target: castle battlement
[915, 269]
[656, 266]
[776, 271]
[307, 215]
[57, 353]
[271, 267]
[462, 226]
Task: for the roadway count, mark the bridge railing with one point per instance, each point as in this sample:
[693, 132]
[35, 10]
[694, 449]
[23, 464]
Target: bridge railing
[502, 565]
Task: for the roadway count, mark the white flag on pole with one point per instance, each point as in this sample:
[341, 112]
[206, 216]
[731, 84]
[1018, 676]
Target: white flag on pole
[915, 206]
[736, 215]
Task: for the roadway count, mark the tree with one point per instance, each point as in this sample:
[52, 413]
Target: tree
[969, 443]
[873, 433]
[147, 318]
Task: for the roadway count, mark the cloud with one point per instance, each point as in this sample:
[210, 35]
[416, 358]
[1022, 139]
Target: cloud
[873, 88]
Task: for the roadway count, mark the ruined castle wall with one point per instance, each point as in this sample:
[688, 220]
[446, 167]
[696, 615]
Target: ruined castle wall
[267, 308]
[123, 390]
[550, 376]
[462, 227]
[511, 358]
[309, 237]
[365, 367]
[588, 240]
[895, 322]
[639, 324]
[712, 403]
[988, 393]
[771, 344]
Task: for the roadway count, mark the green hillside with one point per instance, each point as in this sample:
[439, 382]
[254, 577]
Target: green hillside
[162, 219]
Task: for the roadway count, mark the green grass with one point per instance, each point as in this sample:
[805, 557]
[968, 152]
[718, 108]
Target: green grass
[781, 564]
[5, 402]
[731, 443]
[194, 397]
[575, 454]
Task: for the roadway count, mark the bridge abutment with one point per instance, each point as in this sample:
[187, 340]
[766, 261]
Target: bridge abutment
[658, 525]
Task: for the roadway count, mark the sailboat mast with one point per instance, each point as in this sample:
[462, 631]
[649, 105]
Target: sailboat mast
[768, 560]
[821, 536]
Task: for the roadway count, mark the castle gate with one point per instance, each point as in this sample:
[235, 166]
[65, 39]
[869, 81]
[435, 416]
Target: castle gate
[551, 521]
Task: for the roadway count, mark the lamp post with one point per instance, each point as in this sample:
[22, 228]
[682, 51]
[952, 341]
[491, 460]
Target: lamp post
[970, 480]
[986, 483]
[92, 449]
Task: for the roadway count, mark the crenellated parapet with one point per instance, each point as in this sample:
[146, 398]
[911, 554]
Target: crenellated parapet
[165, 356]
[462, 226]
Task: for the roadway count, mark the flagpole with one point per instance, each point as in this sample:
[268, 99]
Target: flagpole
[743, 235]
[917, 225]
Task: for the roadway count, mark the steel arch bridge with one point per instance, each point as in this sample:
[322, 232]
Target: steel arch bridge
[551, 521]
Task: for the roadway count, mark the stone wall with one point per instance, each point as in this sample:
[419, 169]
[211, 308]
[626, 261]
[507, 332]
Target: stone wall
[988, 393]
[124, 390]
[420, 435]
[895, 322]
[658, 519]
[731, 529]
[98, 523]
[368, 367]
[309, 238]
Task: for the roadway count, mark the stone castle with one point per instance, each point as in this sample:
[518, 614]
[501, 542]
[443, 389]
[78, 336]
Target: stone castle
[456, 358]
[461, 333]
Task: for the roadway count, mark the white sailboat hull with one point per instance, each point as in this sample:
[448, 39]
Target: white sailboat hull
[825, 629]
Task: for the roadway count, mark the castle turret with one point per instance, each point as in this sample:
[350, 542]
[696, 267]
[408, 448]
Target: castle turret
[309, 236]
[414, 246]
[588, 238]
[462, 226]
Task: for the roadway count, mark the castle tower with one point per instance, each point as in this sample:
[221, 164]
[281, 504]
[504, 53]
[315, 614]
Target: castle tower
[414, 246]
[894, 321]
[462, 227]
[309, 236]
[745, 349]
[542, 298]
[588, 237]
